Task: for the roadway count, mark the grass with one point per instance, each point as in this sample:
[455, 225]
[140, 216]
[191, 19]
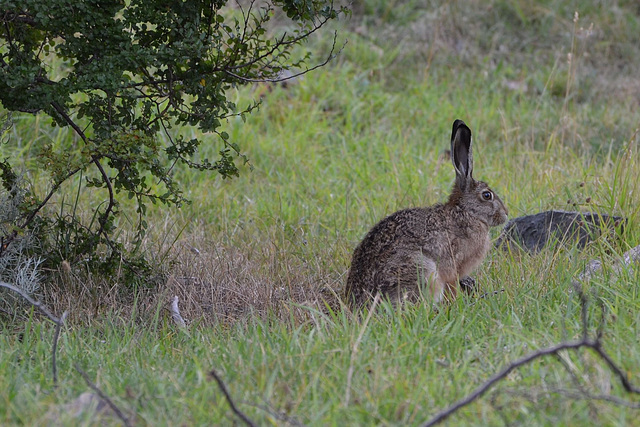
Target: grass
[332, 154]
[407, 365]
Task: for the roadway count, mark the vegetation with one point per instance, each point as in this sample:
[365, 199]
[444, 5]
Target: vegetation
[256, 260]
[120, 75]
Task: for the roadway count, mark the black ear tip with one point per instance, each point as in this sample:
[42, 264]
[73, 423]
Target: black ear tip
[459, 124]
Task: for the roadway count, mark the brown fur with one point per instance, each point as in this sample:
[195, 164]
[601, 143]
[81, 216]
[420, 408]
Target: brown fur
[428, 249]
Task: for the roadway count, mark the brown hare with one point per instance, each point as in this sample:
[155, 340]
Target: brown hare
[425, 251]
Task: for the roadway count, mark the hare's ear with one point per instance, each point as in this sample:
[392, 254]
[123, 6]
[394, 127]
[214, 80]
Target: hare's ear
[461, 155]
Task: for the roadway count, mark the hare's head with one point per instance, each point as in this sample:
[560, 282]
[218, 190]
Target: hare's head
[474, 197]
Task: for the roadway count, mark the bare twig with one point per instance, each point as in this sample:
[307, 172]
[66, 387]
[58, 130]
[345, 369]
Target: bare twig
[484, 387]
[59, 322]
[594, 344]
[103, 396]
[233, 406]
[36, 304]
[597, 347]
[329, 57]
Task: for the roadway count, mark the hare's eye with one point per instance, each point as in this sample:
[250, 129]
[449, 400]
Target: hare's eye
[487, 195]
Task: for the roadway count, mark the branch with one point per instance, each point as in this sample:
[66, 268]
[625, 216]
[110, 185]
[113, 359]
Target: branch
[235, 410]
[112, 201]
[36, 304]
[11, 237]
[96, 160]
[46, 199]
[227, 68]
[594, 344]
[482, 389]
[56, 106]
[330, 56]
[15, 17]
[103, 396]
[597, 348]
[59, 322]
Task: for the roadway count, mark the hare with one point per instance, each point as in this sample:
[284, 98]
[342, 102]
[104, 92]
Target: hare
[428, 250]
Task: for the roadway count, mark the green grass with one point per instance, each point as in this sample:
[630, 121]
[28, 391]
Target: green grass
[407, 365]
[332, 154]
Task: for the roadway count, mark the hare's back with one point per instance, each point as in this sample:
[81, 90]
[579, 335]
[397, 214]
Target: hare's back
[408, 227]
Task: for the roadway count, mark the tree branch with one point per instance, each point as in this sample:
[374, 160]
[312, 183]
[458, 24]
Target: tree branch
[96, 160]
[594, 344]
[35, 303]
[59, 322]
[11, 237]
[103, 396]
[329, 57]
[484, 387]
[233, 406]
[9, 16]
[112, 201]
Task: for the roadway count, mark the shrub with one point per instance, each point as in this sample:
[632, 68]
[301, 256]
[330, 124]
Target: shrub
[121, 74]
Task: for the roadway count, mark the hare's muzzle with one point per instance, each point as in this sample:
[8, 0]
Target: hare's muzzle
[500, 216]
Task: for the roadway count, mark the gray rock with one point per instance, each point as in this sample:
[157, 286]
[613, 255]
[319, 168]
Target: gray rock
[534, 232]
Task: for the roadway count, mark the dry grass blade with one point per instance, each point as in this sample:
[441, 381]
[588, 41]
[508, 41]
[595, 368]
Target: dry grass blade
[56, 335]
[354, 350]
[175, 313]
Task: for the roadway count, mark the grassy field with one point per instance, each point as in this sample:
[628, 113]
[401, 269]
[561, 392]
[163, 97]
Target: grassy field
[259, 262]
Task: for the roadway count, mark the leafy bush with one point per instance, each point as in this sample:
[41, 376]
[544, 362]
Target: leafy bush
[121, 74]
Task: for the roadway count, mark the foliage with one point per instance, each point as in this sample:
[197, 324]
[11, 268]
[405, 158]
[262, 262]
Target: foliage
[121, 74]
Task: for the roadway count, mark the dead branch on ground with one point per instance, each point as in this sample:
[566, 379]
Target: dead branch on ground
[58, 321]
[233, 406]
[103, 396]
[592, 343]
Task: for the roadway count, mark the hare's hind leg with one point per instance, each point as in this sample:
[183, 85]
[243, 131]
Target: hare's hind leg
[417, 278]
[429, 283]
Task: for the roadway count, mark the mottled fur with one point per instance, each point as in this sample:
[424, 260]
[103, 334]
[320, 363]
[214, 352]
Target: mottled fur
[427, 250]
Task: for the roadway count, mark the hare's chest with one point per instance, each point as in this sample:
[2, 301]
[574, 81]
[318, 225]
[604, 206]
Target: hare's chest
[471, 254]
